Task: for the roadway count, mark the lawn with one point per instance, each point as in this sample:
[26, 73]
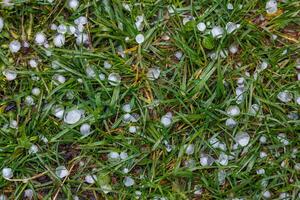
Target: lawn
[162, 100]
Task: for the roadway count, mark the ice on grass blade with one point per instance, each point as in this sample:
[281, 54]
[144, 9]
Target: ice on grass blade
[285, 96]
[128, 181]
[85, 129]
[73, 116]
[271, 6]
[114, 79]
[90, 179]
[10, 75]
[166, 120]
[217, 32]
[7, 173]
[201, 26]
[153, 73]
[139, 38]
[14, 46]
[61, 171]
[242, 138]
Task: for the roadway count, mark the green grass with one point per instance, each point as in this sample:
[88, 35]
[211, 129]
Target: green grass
[196, 89]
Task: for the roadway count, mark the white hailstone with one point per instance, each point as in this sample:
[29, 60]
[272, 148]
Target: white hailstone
[139, 22]
[59, 79]
[125, 170]
[126, 108]
[263, 139]
[223, 159]
[169, 147]
[262, 66]
[85, 129]
[33, 63]
[61, 171]
[187, 19]
[178, 55]
[139, 38]
[260, 171]
[298, 100]
[73, 116]
[58, 111]
[82, 38]
[123, 155]
[153, 73]
[10, 75]
[1, 23]
[102, 76]
[241, 81]
[53, 27]
[128, 181]
[26, 44]
[198, 190]
[231, 123]
[190, 149]
[294, 152]
[166, 120]
[126, 6]
[59, 40]
[73, 4]
[33, 149]
[217, 32]
[222, 146]
[127, 39]
[284, 195]
[13, 124]
[229, 6]
[242, 138]
[43, 138]
[36, 91]
[132, 129]
[254, 109]
[71, 29]
[114, 79]
[76, 198]
[282, 138]
[107, 64]
[90, 179]
[28, 194]
[90, 72]
[81, 20]
[114, 156]
[14, 46]
[267, 194]
[233, 48]
[127, 117]
[221, 177]
[40, 38]
[7, 173]
[298, 76]
[297, 166]
[206, 160]
[271, 6]
[230, 27]
[62, 29]
[29, 101]
[201, 26]
[233, 111]
[214, 142]
[3, 197]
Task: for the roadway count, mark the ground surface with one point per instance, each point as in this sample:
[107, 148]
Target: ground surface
[179, 82]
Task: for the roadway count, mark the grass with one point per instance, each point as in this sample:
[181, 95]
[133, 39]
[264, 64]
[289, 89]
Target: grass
[196, 89]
